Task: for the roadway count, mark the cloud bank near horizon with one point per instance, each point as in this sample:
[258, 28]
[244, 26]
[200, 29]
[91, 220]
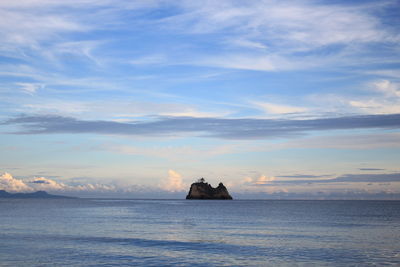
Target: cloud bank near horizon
[173, 183]
[259, 187]
[205, 127]
[11, 184]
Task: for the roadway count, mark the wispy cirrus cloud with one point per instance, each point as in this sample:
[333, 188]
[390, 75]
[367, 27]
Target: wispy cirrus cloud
[272, 108]
[377, 96]
[119, 110]
[43, 32]
[272, 33]
[384, 98]
[24, 29]
[208, 127]
[324, 23]
[278, 36]
[30, 88]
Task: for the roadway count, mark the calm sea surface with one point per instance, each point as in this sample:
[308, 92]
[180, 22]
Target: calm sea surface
[99, 232]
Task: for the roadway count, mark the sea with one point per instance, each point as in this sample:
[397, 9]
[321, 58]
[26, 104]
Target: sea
[129, 232]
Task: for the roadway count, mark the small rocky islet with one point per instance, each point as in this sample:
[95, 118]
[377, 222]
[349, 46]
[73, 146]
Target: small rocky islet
[203, 190]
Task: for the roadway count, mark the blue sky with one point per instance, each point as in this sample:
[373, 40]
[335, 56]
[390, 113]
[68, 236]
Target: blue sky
[277, 99]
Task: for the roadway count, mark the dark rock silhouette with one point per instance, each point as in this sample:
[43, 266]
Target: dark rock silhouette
[203, 190]
[37, 194]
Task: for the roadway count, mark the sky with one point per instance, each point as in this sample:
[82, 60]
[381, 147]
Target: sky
[138, 99]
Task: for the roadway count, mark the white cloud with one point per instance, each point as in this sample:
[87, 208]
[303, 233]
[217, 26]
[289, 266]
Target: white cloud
[57, 107]
[271, 108]
[299, 24]
[24, 28]
[240, 61]
[264, 180]
[9, 183]
[388, 88]
[42, 183]
[174, 182]
[261, 180]
[149, 60]
[278, 27]
[50, 4]
[376, 106]
[82, 49]
[93, 188]
[277, 30]
[391, 73]
[248, 44]
[30, 88]
[36, 26]
[377, 97]
[46, 3]
[247, 180]
[387, 101]
[118, 110]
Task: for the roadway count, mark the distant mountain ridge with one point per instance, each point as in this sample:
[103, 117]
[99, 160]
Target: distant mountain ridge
[37, 194]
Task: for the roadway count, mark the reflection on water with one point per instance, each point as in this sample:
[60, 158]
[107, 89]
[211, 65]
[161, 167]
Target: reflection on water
[90, 232]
